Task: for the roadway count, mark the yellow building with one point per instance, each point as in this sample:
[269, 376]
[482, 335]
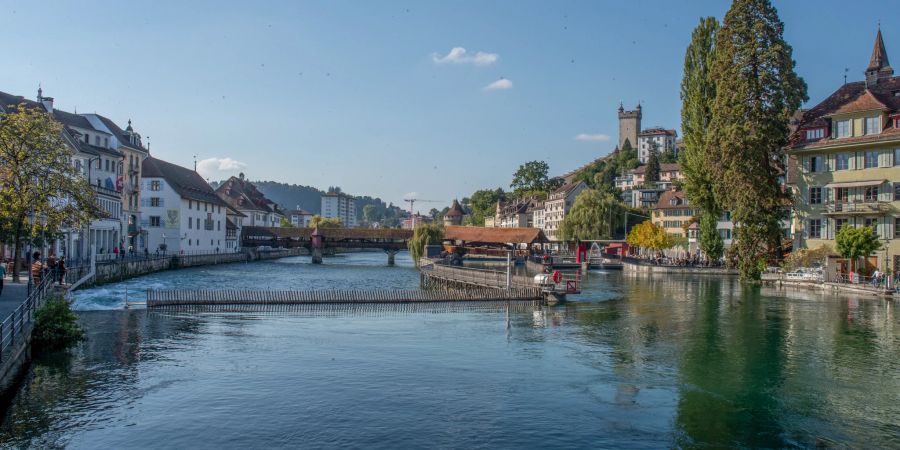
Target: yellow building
[673, 212]
[844, 163]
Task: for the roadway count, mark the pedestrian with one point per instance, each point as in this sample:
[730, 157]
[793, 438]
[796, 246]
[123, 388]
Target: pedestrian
[116, 251]
[37, 268]
[146, 252]
[61, 270]
[2, 275]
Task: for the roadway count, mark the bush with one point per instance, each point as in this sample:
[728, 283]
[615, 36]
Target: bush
[55, 326]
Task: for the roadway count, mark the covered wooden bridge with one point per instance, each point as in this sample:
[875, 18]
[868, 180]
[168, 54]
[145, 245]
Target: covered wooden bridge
[492, 241]
[391, 240]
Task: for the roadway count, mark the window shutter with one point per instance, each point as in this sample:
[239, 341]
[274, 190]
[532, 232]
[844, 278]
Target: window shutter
[806, 164]
[883, 156]
[885, 192]
[831, 228]
[831, 163]
[824, 232]
[851, 161]
[889, 229]
[826, 194]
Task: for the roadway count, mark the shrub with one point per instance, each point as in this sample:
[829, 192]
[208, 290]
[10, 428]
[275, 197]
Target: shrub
[55, 326]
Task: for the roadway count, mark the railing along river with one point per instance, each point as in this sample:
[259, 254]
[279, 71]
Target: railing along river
[14, 326]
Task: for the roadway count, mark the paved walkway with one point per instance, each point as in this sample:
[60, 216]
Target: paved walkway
[13, 296]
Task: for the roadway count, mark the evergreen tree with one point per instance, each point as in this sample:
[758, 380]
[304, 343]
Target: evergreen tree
[698, 93]
[651, 174]
[757, 92]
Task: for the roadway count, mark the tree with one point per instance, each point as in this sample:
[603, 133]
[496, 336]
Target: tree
[651, 173]
[531, 177]
[757, 92]
[854, 243]
[593, 216]
[698, 93]
[807, 257]
[38, 180]
[484, 203]
[668, 156]
[650, 236]
[286, 223]
[424, 234]
[371, 214]
[325, 222]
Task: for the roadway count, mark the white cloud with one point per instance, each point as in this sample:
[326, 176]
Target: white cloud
[459, 55]
[217, 167]
[502, 83]
[586, 137]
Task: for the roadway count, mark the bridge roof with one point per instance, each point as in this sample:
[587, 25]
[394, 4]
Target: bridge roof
[330, 233]
[498, 236]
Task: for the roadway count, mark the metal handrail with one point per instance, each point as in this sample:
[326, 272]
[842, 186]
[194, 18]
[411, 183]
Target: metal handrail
[14, 324]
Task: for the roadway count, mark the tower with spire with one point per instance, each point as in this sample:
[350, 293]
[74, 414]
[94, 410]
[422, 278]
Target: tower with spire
[879, 66]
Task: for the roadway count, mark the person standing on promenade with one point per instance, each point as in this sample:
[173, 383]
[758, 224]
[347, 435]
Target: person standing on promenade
[37, 268]
[61, 270]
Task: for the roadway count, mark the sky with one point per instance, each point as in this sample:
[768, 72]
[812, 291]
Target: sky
[427, 99]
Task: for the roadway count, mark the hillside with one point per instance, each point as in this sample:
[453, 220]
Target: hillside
[289, 196]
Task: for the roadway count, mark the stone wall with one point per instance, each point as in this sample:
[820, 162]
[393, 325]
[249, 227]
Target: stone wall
[652, 268]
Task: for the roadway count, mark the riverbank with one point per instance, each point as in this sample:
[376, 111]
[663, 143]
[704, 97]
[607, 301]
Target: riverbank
[780, 281]
[635, 266]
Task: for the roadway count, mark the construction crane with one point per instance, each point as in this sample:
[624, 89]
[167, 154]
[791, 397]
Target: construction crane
[412, 202]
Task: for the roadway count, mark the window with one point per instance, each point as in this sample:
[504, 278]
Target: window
[816, 133]
[896, 191]
[896, 228]
[154, 221]
[815, 228]
[838, 224]
[815, 195]
[87, 138]
[725, 233]
[97, 140]
[106, 142]
[871, 222]
[873, 125]
[155, 202]
[871, 159]
[107, 164]
[841, 195]
[190, 222]
[871, 194]
[897, 156]
[190, 204]
[815, 163]
[205, 207]
[842, 128]
[842, 161]
[155, 185]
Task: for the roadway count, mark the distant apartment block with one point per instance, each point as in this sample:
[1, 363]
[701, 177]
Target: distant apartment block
[339, 205]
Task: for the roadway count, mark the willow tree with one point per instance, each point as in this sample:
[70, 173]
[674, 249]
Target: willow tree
[757, 92]
[593, 216]
[41, 190]
[424, 234]
[698, 93]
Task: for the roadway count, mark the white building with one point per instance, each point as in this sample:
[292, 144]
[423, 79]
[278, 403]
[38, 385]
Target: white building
[339, 205]
[537, 216]
[299, 217]
[244, 197]
[558, 205]
[665, 140]
[180, 211]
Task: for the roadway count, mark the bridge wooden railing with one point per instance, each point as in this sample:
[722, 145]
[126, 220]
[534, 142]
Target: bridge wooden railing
[234, 297]
[480, 277]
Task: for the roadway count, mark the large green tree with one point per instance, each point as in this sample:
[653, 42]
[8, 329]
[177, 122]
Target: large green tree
[854, 243]
[757, 92]
[698, 93]
[530, 178]
[41, 190]
[483, 203]
[651, 172]
[593, 216]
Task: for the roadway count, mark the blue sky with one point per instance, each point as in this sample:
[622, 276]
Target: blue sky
[362, 95]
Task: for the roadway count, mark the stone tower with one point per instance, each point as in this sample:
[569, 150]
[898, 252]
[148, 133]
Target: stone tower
[629, 125]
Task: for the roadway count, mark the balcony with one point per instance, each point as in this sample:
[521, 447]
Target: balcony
[133, 229]
[864, 207]
[105, 191]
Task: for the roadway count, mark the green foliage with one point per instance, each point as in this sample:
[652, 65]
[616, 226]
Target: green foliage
[36, 171]
[601, 175]
[325, 222]
[709, 241]
[424, 234]
[531, 176]
[854, 243]
[651, 173]
[806, 258]
[757, 92]
[483, 203]
[55, 326]
[286, 223]
[593, 216]
[668, 157]
[650, 236]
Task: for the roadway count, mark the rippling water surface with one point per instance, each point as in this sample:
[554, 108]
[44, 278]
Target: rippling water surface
[634, 362]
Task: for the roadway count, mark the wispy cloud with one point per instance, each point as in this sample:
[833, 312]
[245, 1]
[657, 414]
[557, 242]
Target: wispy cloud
[502, 83]
[586, 137]
[459, 55]
[217, 167]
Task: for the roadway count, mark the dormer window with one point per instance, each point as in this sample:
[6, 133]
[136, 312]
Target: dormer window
[842, 128]
[815, 133]
[873, 125]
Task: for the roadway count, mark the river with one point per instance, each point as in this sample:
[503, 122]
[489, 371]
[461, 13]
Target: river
[635, 362]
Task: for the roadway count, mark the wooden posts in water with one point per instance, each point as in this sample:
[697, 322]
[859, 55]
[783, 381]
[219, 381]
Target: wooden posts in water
[391, 253]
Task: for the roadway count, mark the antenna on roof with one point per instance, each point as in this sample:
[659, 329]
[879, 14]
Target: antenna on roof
[195, 163]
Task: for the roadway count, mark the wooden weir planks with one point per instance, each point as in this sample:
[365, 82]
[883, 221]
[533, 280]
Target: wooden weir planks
[268, 297]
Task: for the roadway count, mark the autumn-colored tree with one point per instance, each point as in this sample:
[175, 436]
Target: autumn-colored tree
[650, 236]
[325, 222]
[854, 243]
[41, 191]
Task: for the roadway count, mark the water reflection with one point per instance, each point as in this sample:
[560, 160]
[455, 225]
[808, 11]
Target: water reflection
[638, 361]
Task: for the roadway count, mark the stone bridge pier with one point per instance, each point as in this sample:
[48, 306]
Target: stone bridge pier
[391, 253]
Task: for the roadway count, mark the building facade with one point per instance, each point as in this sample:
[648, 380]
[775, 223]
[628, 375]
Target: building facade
[844, 163]
[183, 213]
[299, 217]
[664, 140]
[629, 125]
[341, 206]
[243, 196]
[454, 214]
[558, 205]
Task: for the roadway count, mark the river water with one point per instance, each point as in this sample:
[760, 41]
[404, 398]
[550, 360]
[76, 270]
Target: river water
[634, 362]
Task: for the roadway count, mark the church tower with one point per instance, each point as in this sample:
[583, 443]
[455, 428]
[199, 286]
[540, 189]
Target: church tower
[629, 125]
[879, 67]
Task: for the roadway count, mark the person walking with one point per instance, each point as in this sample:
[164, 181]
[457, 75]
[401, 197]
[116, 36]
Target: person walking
[61, 270]
[37, 268]
[2, 276]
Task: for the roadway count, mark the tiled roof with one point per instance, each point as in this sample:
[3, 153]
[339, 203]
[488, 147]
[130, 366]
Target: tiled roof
[879, 59]
[121, 134]
[186, 182]
[665, 200]
[242, 194]
[667, 167]
[658, 131]
[568, 187]
[455, 210]
[865, 101]
[494, 235]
